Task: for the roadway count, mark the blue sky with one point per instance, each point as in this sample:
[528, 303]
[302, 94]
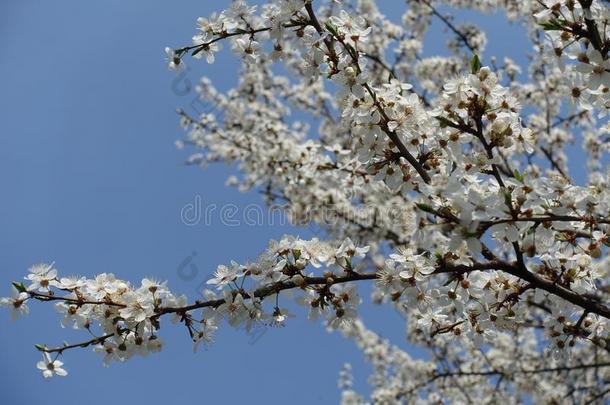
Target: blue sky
[91, 180]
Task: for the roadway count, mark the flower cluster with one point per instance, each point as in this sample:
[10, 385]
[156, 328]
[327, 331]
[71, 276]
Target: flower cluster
[124, 318]
[577, 31]
[452, 176]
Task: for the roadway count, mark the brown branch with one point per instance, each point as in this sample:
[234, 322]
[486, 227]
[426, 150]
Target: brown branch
[592, 31]
[534, 371]
[460, 373]
[76, 301]
[403, 150]
[272, 289]
[450, 25]
[391, 134]
[381, 63]
[536, 281]
[197, 48]
[562, 292]
[550, 218]
[94, 341]
[444, 267]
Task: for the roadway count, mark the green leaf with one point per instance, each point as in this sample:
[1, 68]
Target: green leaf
[425, 207]
[548, 26]
[508, 197]
[470, 234]
[20, 287]
[350, 49]
[331, 28]
[518, 175]
[444, 122]
[40, 347]
[557, 24]
[475, 64]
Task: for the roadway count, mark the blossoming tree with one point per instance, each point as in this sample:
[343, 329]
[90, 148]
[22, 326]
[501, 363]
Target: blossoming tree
[443, 182]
